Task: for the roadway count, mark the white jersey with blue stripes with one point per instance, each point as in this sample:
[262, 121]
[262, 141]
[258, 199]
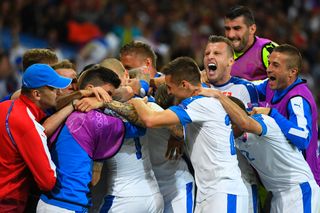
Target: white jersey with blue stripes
[279, 163]
[298, 129]
[211, 146]
[241, 89]
[129, 172]
[171, 175]
[246, 92]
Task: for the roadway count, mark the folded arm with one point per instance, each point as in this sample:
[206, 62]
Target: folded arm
[236, 114]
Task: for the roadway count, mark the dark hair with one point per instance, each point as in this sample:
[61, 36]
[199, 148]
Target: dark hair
[239, 103]
[238, 11]
[183, 68]
[163, 98]
[139, 48]
[294, 57]
[216, 39]
[98, 76]
[64, 64]
[38, 55]
[87, 67]
[26, 91]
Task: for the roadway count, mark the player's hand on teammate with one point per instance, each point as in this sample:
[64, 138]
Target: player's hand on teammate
[96, 172]
[260, 110]
[87, 104]
[174, 149]
[98, 92]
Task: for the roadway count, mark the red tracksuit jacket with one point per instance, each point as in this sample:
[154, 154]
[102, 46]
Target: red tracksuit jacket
[26, 154]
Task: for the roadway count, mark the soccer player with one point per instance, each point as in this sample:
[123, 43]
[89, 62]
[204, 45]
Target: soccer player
[137, 56]
[218, 62]
[83, 137]
[130, 182]
[209, 138]
[281, 166]
[127, 179]
[251, 52]
[290, 95]
[175, 181]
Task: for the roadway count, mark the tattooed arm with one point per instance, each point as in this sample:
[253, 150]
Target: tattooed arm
[125, 110]
[128, 111]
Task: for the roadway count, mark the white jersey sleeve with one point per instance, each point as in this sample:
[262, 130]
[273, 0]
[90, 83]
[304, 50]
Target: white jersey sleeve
[241, 89]
[280, 164]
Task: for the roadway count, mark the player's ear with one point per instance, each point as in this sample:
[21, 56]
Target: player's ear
[293, 73]
[35, 93]
[184, 84]
[126, 74]
[187, 85]
[89, 86]
[148, 62]
[252, 29]
[230, 61]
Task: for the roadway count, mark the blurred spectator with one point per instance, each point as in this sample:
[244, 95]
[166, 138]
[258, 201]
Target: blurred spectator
[97, 49]
[80, 33]
[53, 42]
[127, 31]
[305, 74]
[182, 47]
[8, 82]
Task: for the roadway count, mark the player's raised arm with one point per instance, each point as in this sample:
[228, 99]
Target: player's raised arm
[152, 118]
[237, 115]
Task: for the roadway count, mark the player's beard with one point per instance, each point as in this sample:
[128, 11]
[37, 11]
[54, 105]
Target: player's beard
[243, 43]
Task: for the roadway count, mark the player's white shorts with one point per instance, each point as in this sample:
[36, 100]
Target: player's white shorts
[224, 203]
[180, 201]
[139, 204]
[252, 198]
[301, 198]
[44, 207]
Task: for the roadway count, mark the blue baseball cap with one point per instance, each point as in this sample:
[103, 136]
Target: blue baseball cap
[40, 75]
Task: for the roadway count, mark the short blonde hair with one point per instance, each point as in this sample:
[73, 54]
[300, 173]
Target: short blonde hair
[64, 64]
[115, 65]
[38, 55]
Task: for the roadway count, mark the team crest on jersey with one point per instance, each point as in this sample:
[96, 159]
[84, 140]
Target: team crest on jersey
[227, 93]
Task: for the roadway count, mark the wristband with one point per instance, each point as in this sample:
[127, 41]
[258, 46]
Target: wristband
[73, 104]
